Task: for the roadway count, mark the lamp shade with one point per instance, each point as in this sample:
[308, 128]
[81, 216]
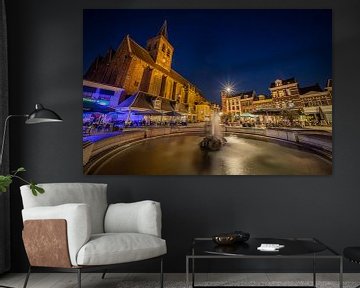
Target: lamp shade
[42, 115]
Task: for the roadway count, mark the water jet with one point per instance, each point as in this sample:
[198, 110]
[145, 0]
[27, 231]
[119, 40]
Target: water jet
[214, 140]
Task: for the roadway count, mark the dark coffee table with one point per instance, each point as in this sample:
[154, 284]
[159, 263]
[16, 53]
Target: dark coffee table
[295, 248]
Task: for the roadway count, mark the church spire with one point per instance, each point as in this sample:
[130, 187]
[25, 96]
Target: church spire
[160, 49]
[163, 30]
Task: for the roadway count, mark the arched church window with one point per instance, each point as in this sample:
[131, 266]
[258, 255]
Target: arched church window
[163, 48]
[168, 53]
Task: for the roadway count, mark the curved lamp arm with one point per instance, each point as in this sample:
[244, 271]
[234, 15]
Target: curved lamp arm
[39, 115]
[4, 134]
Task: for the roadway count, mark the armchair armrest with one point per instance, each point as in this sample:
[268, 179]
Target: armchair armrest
[78, 225]
[138, 217]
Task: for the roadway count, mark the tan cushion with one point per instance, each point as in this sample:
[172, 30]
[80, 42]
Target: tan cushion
[77, 217]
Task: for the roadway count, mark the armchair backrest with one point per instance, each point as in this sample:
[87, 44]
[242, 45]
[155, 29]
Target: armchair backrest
[92, 194]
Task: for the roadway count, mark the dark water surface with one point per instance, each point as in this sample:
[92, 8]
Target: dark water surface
[181, 155]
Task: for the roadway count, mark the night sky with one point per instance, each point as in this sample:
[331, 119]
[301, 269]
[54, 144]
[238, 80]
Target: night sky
[249, 48]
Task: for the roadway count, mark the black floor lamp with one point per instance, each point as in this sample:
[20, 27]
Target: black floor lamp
[39, 115]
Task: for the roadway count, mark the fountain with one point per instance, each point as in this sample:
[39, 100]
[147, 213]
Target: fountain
[214, 140]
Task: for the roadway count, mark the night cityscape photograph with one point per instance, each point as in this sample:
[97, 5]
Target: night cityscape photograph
[207, 92]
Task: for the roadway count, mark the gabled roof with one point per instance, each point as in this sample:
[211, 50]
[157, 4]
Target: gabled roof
[313, 88]
[284, 82]
[244, 95]
[109, 54]
[139, 51]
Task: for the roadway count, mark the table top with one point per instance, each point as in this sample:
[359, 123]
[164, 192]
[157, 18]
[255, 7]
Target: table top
[292, 247]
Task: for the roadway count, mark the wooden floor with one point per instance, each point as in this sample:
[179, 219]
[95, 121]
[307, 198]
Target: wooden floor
[116, 280]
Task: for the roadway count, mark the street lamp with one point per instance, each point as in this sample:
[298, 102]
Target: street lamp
[228, 90]
[228, 87]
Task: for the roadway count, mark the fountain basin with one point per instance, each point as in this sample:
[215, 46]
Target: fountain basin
[180, 155]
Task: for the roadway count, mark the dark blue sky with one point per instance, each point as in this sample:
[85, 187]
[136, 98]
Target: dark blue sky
[249, 48]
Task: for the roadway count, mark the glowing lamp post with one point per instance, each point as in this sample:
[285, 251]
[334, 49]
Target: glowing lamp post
[228, 89]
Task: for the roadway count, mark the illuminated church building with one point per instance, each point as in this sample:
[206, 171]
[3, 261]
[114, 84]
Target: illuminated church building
[149, 70]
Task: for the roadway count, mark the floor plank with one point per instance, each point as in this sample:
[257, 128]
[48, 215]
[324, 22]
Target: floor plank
[116, 280]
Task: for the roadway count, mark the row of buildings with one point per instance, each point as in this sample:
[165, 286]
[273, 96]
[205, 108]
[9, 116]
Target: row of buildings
[312, 104]
[147, 70]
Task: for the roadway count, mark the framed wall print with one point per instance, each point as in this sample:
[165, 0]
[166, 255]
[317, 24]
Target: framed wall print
[207, 92]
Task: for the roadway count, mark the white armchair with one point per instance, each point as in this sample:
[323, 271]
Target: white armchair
[72, 228]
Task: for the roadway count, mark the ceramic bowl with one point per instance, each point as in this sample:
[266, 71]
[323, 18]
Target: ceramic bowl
[225, 239]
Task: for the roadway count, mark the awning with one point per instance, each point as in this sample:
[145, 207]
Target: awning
[166, 105]
[182, 108]
[137, 102]
[148, 112]
[172, 113]
[247, 115]
[92, 106]
[267, 111]
[145, 103]
[126, 103]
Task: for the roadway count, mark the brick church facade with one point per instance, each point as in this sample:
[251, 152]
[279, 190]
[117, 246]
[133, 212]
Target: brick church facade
[149, 70]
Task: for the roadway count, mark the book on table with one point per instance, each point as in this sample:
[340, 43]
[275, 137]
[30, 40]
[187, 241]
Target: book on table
[270, 247]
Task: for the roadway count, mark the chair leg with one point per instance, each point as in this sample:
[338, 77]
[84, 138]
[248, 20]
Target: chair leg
[27, 277]
[79, 277]
[103, 275]
[161, 273]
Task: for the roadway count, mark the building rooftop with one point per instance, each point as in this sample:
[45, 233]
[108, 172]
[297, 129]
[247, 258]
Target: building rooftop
[243, 95]
[262, 97]
[139, 51]
[284, 82]
[313, 88]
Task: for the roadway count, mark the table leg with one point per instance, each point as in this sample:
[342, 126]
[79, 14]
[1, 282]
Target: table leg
[193, 272]
[193, 267]
[314, 271]
[341, 273]
[187, 272]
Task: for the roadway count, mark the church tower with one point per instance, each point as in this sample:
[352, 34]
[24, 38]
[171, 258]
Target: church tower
[160, 48]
